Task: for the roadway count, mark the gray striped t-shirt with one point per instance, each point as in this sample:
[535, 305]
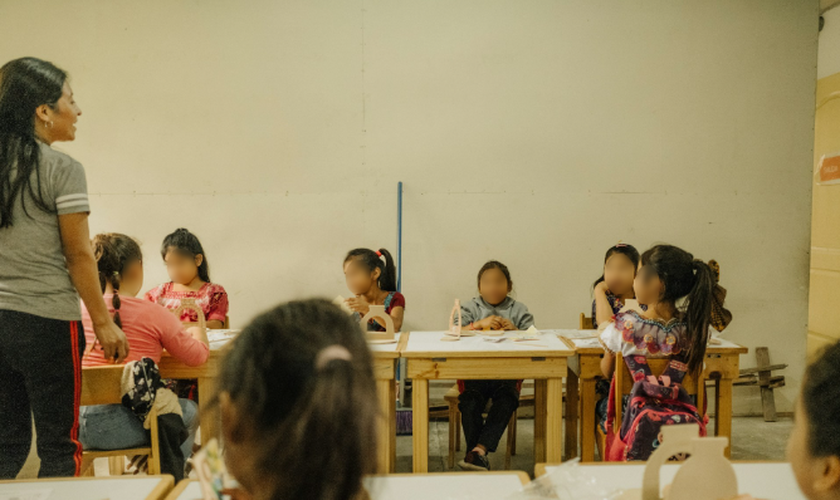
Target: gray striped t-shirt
[33, 273]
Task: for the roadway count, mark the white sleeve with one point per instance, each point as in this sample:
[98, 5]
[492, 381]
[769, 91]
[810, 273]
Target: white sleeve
[611, 338]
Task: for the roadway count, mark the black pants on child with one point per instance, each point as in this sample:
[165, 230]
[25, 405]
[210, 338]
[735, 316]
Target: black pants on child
[40, 377]
[473, 401]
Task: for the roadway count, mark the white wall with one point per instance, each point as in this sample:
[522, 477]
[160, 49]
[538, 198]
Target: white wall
[538, 133]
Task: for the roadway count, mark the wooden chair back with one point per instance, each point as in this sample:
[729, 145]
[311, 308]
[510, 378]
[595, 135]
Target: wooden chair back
[101, 386]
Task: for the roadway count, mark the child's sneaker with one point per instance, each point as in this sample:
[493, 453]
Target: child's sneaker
[474, 461]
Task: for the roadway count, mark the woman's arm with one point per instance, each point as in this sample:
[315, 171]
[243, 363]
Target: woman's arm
[81, 264]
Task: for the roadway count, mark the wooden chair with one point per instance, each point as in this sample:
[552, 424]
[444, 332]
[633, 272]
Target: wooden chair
[586, 322]
[693, 384]
[226, 326]
[101, 386]
[451, 399]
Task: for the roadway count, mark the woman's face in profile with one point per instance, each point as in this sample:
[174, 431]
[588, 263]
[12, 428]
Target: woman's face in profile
[63, 118]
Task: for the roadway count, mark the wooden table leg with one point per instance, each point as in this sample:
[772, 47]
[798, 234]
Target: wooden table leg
[540, 409]
[554, 420]
[420, 423]
[717, 406]
[572, 401]
[386, 434]
[587, 419]
[723, 417]
[392, 394]
[208, 415]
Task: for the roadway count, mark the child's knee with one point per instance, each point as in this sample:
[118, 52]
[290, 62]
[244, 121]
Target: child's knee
[471, 400]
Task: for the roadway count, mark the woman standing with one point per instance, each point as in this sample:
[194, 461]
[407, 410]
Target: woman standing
[46, 264]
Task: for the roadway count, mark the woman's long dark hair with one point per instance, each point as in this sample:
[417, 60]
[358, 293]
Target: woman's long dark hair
[312, 420]
[685, 276]
[185, 243]
[25, 84]
[628, 251]
[113, 252]
[373, 260]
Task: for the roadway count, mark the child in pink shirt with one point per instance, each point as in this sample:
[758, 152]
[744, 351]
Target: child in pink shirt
[187, 266]
[149, 329]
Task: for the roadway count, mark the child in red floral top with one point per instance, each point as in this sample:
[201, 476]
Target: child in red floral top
[188, 270]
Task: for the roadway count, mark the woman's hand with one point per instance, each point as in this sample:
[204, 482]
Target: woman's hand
[112, 340]
[358, 304]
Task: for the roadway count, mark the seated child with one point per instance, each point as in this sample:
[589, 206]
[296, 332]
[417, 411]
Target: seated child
[666, 275]
[149, 329]
[616, 284]
[611, 290]
[187, 266]
[299, 406]
[493, 309]
[373, 282]
[814, 446]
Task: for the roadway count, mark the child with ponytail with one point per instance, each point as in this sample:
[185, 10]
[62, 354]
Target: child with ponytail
[372, 278]
[667, 275]
[149, 329]
[299, 406]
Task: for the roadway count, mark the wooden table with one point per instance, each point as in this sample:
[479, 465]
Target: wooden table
[384, 370]
[206, 375]
[485, 485]
[74, 488]
[722, 366]
[766, 480]
[384, 360]
[473, 358]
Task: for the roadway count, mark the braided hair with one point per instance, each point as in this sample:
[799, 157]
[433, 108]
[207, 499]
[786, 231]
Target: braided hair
[114, 252]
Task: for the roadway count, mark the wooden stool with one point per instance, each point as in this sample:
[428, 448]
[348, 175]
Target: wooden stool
[451, 399]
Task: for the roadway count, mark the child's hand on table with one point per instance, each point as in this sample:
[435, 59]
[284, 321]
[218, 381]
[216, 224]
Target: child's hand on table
[508, 324]
[491, 322]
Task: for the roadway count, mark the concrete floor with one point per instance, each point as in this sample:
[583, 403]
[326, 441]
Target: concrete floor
[753, 439]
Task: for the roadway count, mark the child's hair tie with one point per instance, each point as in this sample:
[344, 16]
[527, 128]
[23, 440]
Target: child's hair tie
[620, 245]
[378, 253]
[331, 353]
